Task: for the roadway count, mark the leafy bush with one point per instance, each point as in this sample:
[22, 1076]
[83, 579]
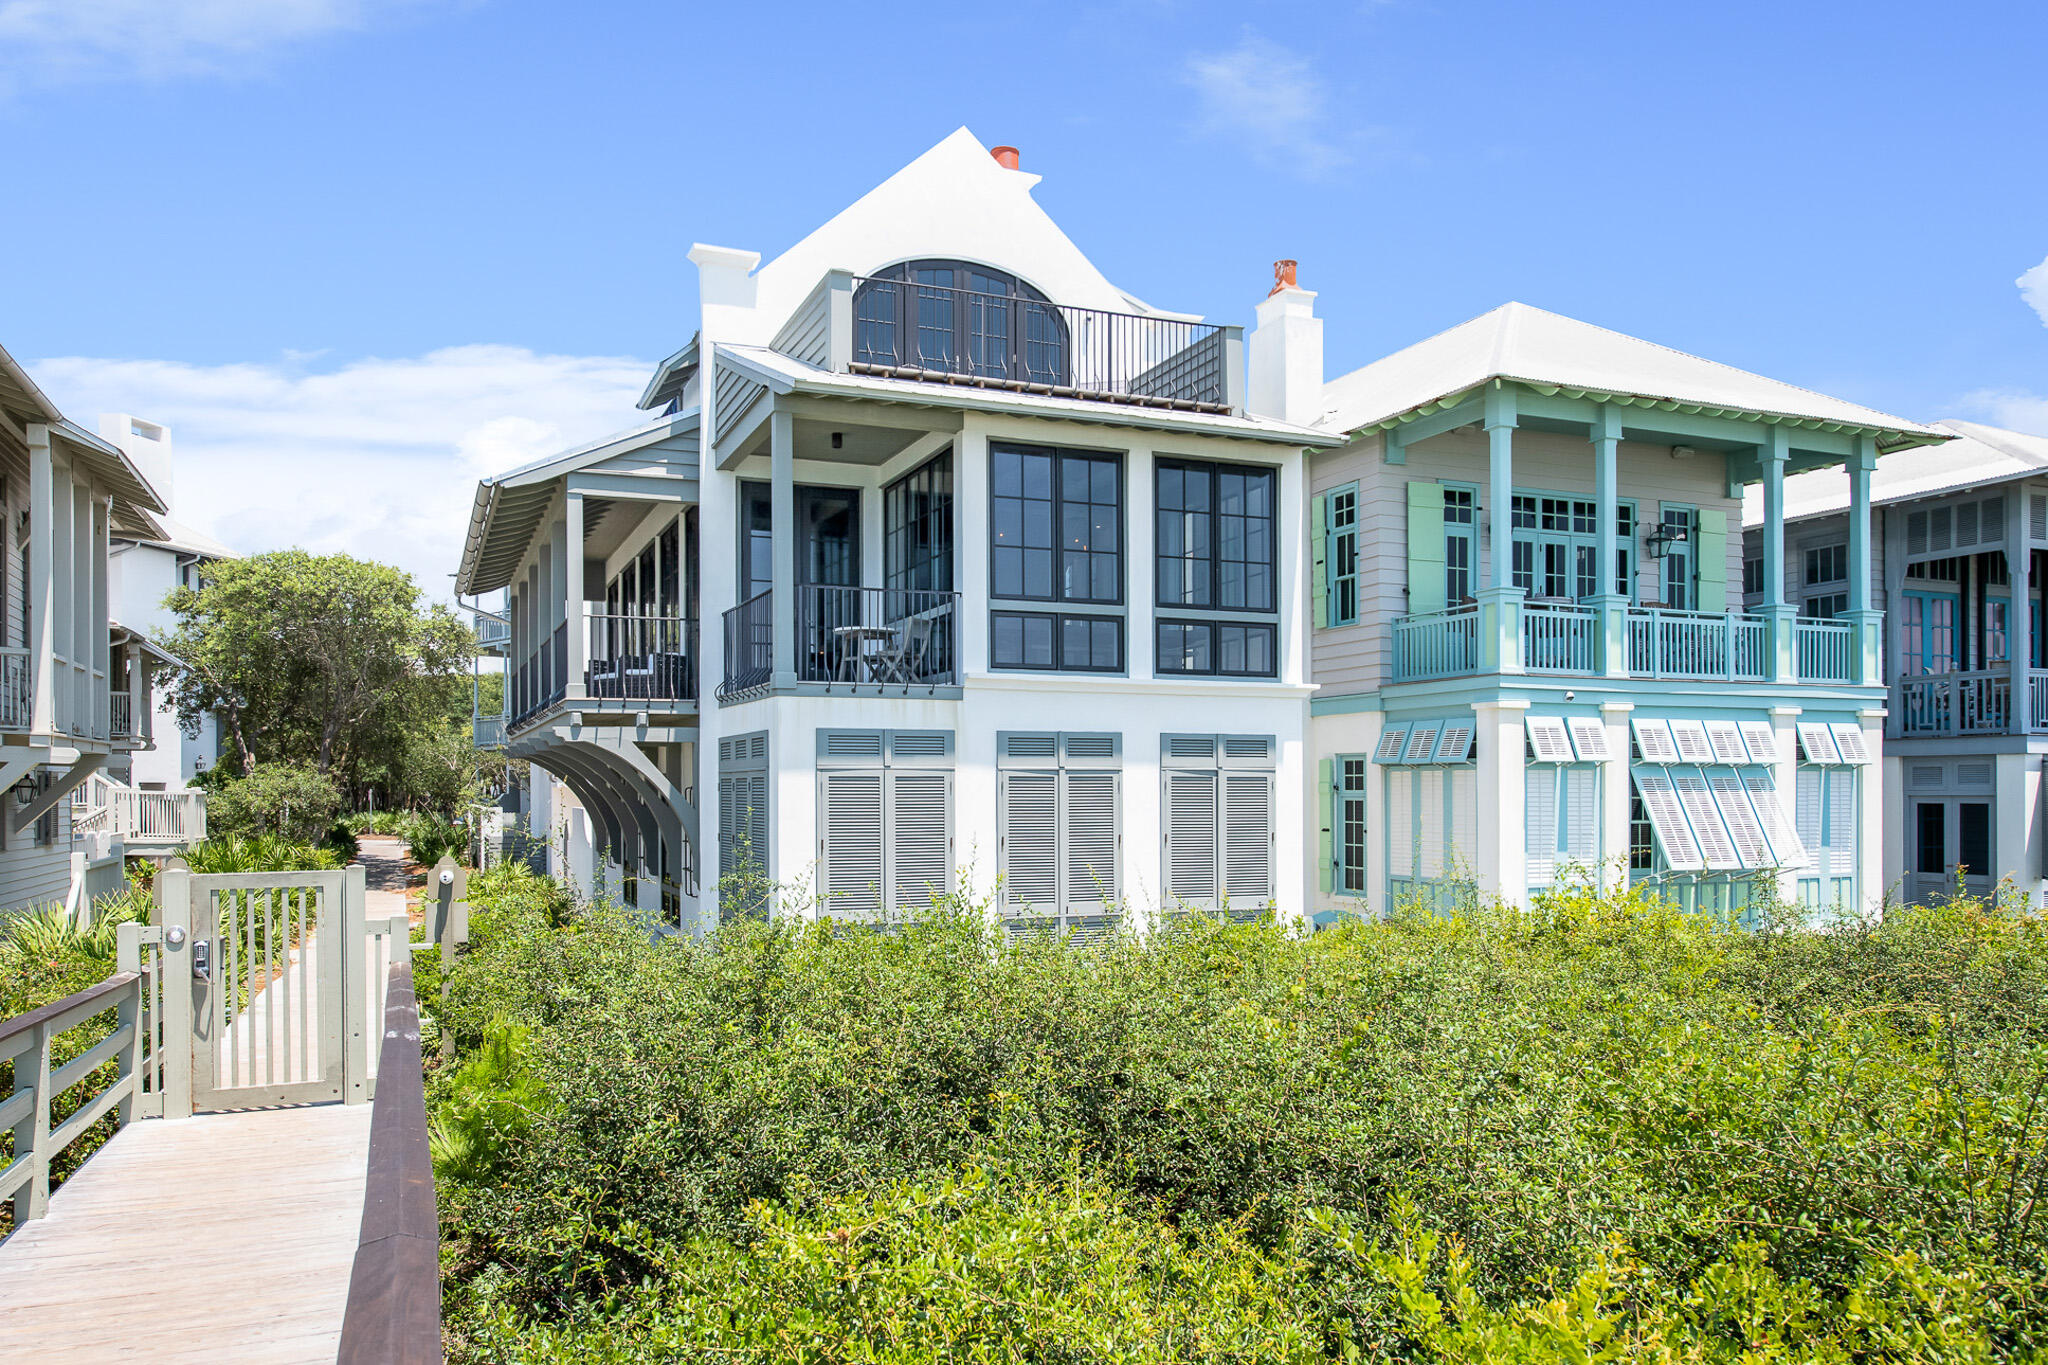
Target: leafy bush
[432, 837]
[262, 853]
[1598, 1129]
[294, 800]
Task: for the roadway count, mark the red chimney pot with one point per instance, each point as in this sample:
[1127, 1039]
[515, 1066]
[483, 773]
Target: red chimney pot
[1283, 277]
[1006, 157]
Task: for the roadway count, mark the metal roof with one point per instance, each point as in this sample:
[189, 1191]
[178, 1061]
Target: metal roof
[1979, 455]
[135, 498]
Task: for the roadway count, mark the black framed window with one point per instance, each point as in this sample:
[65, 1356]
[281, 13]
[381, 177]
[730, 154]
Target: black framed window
[1242, 649]
[1216, 536]
[955, 317]
[917, 527]
[1055, 525]
[1056, 642]
[757, 540]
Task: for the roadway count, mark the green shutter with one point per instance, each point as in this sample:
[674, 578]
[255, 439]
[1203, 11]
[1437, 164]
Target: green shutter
[1425, 547]
[1325, 857]
[1711, 559]
[1319, 554]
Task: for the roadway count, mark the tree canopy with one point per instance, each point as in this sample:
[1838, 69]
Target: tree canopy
[325, 660]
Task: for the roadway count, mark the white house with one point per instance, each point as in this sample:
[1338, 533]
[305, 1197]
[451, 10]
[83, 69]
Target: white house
[940, 563]
[71, 685]
[1961, 532]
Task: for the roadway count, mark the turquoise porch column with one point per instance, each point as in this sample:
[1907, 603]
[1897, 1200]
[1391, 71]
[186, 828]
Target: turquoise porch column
[1610, 603]
[1869, 624]
[1500, 602]
[1783, 616]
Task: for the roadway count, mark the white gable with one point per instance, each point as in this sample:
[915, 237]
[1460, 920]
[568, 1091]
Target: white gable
[954, 201]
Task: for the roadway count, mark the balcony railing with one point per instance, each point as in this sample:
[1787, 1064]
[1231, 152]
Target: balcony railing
[121, 715]
[139, 818]
[933, 332]
[640, 658]
[874, 637]
[1689, 644]
[491, 634]
[539, 682]
[1560, 638]
[487, 732]
[1974, 702]
[1826, 651]
[17, 689]
[1436, 644]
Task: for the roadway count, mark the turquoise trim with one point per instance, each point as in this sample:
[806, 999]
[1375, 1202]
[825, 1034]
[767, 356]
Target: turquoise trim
[1357, 704]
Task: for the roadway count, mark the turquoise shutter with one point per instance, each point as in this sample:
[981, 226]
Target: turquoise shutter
[1325, 857]
[1425, 547]
[1711, 559]
[1319, 555]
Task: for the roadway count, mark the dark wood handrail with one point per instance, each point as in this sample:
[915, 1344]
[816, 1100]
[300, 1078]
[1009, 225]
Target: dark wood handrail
[22, 1023]
[394, 1290]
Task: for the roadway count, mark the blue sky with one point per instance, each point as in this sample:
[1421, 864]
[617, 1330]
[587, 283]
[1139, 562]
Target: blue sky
[356, 252]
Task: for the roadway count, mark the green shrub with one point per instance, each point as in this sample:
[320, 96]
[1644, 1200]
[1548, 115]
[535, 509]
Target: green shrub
[1598, 1129]
[294, 800]
[261, 853]
[432, 837]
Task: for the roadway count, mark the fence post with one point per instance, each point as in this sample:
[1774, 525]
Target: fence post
[32, 1130]
[353, 954]
[451, 926]
[174, 913]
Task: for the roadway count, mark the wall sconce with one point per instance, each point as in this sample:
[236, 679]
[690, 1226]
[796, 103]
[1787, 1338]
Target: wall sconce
[1664, 537]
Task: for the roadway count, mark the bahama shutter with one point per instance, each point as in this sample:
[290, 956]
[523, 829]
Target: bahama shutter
[1429, 844]
[1319, 559]
[1841, 831]
[1091, 841]
[1540, 822]
[1326, 821]
[851, 837]
[1425, 546]
[1711, 563]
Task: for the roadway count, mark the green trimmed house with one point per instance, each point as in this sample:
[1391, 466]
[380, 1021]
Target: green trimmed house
[1531, 648]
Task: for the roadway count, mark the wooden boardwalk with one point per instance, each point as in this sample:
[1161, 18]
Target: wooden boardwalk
[219, 1237]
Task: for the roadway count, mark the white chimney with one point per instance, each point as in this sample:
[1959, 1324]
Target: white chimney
[725, 289]
[1284, 353]
[146, 444]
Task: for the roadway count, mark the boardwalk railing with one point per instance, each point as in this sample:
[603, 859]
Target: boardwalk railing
[394, 1289]
[28, 1040]
[139, 818]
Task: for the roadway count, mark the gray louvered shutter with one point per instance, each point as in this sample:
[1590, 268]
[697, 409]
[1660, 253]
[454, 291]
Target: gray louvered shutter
[851, 832]
[1248, 838]
[1191, 836]
[920, 839]
[1091, 842]
[727, 815]
[1030, 833]
[754, 819]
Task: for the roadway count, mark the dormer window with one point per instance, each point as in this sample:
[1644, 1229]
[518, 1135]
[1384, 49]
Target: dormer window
[954, 318]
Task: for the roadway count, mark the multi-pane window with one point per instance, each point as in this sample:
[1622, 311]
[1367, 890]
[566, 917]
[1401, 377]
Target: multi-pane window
[917, 527]
[1825, 606]
[1752, 577]
[1642, 848]
[1349, 817]
[1216, 553]
[1679, 590]
[1827, 564]
[1056, 535]
[1556, 551]
[1341, 556]
[1997, 630]
[1059, 807]
[958, 318]
[1459, 560]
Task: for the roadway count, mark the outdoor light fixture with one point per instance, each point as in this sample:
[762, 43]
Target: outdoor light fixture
[1665, 536]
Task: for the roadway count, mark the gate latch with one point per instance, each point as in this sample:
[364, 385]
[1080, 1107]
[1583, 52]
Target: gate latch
[202, 959]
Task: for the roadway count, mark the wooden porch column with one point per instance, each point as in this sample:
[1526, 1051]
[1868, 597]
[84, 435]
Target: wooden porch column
[1609, 600]
[2019, 615]
[782, 520]
[42, 596]
[1864, 665]
[1783, 616]
[1500, 644]
[573, 605]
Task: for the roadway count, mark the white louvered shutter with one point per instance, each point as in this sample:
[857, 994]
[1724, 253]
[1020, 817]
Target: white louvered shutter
[1090, 843]
[1401, 823]
[1429, 860]
[1030, 841]
[920, 839]
[1248, 838]
[1461, 839]
[1582, 819]
[1540, 823]
[1191, 836]
[1786, 847]
[1751, 847]
[1589, 737]
[852, 856]
[1715, 846]
[1842, 824]
[1809, 816]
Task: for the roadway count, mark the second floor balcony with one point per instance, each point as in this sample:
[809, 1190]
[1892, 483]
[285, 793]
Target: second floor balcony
[877, 640]
[1624, 641]
[1972, 702]
[633, 662]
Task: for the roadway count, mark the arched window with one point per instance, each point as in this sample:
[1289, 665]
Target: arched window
[958, 318]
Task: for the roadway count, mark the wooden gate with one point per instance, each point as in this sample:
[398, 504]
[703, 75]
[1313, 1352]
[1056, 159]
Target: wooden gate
[270, 982]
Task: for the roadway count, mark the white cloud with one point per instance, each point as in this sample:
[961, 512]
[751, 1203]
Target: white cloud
[2034, 289]
[49, 41]
[378, 458]
[2014, 409]
[1271, 99]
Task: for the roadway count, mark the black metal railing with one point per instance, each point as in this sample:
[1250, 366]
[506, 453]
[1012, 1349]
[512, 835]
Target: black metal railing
[540, 680]
[874, 637]
[641, 658]
[749, 645]
[924, 331]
